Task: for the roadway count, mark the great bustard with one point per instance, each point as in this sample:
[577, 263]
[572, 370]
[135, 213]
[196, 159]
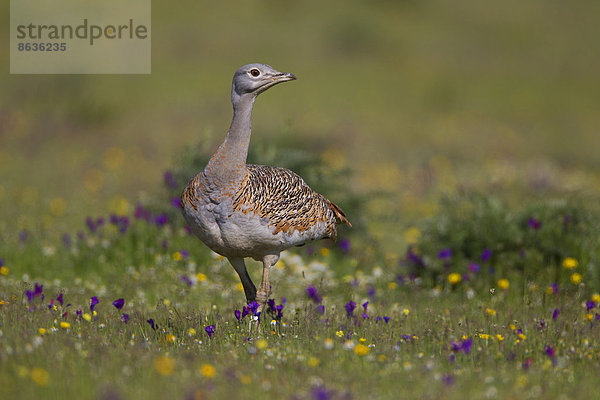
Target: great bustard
[256, 211]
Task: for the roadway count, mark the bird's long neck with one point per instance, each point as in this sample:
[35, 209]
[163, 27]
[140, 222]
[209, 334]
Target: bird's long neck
[229, 161]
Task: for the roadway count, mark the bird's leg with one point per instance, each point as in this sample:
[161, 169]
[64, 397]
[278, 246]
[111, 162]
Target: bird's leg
[249, 288]
[264, 290]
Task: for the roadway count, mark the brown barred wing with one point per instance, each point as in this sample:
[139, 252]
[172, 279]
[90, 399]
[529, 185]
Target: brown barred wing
[289, 204]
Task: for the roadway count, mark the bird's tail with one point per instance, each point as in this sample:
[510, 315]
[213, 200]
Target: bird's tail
[339, 214]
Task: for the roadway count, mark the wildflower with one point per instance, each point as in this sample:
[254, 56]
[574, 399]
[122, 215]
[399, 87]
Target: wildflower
[589, 317]
[555, 314]
[262, 344]
[125, 317]
[37, 292]
[237, 314]
[324, 251]
[40, 376]
[185, 279]
[491, 312]
[210, 330]
[245, 379]
[93, 301]
[164, 365]
[486, 255]
[406, 311]
[503, 284]
[570, 263]
[169, 180]
[391, 285]
[361, 350]
[589, 305]
[42, 331]
[534, 224]
[4, 270]
[87, 317]
[345, 245]
[328, 344]
[499, 337]
[200, 277]
[576, 278]
[339, 333]
[445, 254]
[177, 256]
[313, 294]
[208, 371]
[412, 236]
[454, 278]
[474, 267]
[414, 258]
[386, 319]
[522, 336]
[152, 324]
[171, 338]
[59, 298]
[596, 298]
[550, 351]
[253, 307]
[65, 325]
[350, 306]
[484, 336]
[321, 393]
[161, 220]
[119, 303]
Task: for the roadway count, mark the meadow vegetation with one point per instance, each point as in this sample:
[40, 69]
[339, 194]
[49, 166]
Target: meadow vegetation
[461, 140]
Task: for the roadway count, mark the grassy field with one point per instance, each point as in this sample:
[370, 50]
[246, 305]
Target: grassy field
[460, 138]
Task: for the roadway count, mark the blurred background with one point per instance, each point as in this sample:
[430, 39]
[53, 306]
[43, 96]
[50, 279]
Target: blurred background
[418, 99]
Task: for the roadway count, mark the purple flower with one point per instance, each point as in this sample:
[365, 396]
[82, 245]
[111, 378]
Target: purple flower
[589, 305]
[59, 298]
[245, 311]
[344, 245]
[365, 305]
[79, 313]
[350, 306]
[186, 280]
[445, 254]
[253, 307]
[474, 267]
[462, 345]
[37, 292]
[365, 315]
[448, 379]
[210, 330]
[170, 180]
[176, 202]
[93, 301]
[237, 314]
[313, 294]
[371, 291]
[142, 213]
[555, 314]
[161, 220]
[486, 255]
[1, 262]
[414, 258]
[66, 239]
[152, 324]
[23, 235]
[51, 304]
[125, 318]
[321, 393]
[119, 303]
[550, 351]
[526, 364]
[534, 224]
[321, 309]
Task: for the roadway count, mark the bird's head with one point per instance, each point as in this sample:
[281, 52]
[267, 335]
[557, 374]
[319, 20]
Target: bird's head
[256, 78]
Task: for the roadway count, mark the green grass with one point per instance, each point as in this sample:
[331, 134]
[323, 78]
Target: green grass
[410, 356]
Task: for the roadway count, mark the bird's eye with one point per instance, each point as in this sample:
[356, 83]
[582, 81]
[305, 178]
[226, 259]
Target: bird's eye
[254, 72]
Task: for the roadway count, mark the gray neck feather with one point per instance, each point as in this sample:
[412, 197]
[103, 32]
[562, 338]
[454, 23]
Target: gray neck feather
[230, 159]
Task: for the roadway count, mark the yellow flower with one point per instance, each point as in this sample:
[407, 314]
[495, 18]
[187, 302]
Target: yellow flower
[549, 290]
[391, 285]
[454, 278]
[328, 344]
[570, 263]
[575, 278]
[201, 277]
[512, 327]
[171, 338]
[339, 333]
[208, 371]
[522, 336]
[239, 287]
[406, 311]
[381, 358]
[65, 325]
[4, 271]
[412, 235]
[42, 331]
[499, 337]
[262, 344]
[177, 256]
[361, 350]
[87, 317]
[245, 379]
[491, 312]
[484, 336]
[167, 302]
[503, 284]
[324, 251]
[313, 362]
[596, 298]
[164, 365]
[191, 332]
[40, 376]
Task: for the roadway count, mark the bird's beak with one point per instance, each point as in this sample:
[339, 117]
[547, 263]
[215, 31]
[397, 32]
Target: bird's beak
[284, 77]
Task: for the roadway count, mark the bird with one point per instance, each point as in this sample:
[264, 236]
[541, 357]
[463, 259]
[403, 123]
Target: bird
[254, 211]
